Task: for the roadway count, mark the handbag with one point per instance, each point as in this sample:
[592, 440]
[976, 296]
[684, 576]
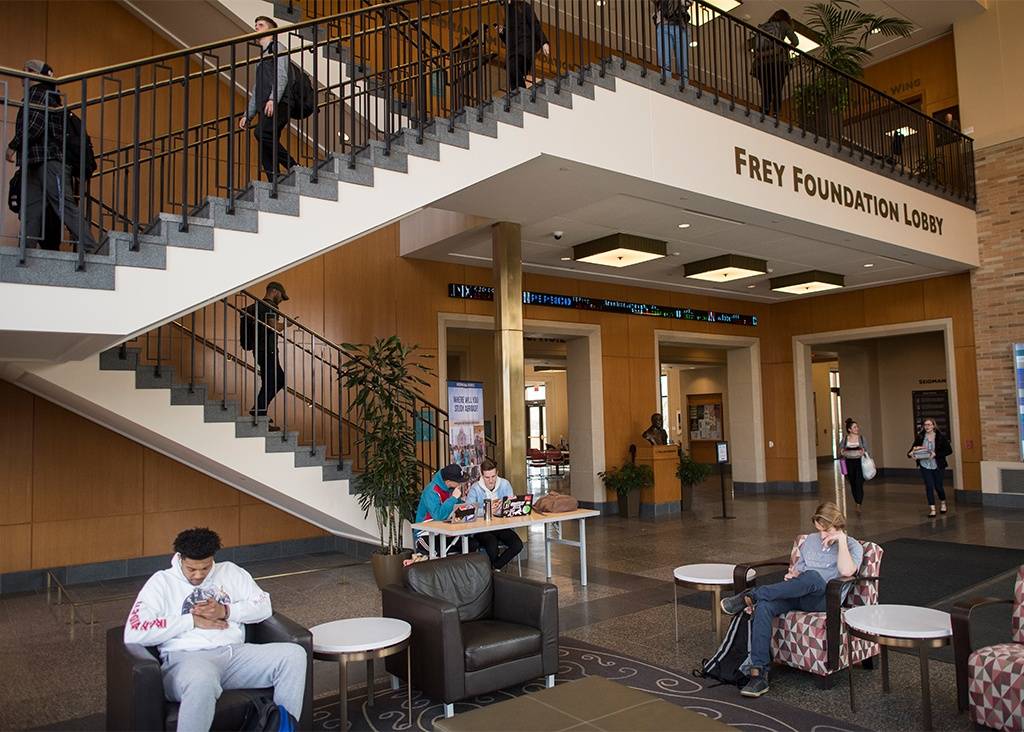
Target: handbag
[842, 466]
[867, 466]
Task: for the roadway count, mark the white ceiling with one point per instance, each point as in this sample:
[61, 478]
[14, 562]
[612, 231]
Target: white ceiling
[550, 194]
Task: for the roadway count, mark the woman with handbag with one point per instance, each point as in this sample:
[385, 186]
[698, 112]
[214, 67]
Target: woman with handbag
[930, 450]
[853, 448]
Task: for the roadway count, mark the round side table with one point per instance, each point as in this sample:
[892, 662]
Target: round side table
[899, 626]
[362, 639]
[711, 578]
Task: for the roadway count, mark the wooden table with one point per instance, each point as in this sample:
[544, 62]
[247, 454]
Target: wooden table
[449, 533]
[591, 703]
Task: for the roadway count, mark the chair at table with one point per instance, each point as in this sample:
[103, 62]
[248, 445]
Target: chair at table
[990, 680]
[816, 642]
[474, 631]
[135, 687]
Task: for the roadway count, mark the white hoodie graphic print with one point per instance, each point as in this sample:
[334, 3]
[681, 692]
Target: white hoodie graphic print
[161, 615]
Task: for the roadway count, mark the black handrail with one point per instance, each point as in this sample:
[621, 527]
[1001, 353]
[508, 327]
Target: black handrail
[177, 142]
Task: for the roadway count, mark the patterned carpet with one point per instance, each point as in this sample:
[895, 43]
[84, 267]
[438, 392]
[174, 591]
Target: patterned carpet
[579, 659]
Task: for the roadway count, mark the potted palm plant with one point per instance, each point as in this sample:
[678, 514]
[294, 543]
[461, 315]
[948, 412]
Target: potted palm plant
[627, 482]
[384, 379]
[690, 474]
[842, 30]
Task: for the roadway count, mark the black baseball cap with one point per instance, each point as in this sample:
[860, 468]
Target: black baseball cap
[452, 472]
[275, 285]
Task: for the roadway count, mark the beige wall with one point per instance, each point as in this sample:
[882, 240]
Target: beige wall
[823, 404]
[990, 59]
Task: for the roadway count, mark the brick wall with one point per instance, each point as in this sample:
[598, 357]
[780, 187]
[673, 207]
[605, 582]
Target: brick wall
[998, 293]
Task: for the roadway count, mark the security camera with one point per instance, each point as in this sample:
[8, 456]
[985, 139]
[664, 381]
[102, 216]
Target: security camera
[558, 235]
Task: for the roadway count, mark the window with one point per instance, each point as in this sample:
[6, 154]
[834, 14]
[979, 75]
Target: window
[664, 398]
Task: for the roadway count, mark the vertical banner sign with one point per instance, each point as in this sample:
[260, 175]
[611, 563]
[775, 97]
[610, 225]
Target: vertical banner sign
[1018, 370]
[466, 425]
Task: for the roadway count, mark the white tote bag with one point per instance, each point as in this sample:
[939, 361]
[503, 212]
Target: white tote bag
[867, 466]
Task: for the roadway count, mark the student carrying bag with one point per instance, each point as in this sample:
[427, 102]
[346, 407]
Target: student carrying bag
[727, 664]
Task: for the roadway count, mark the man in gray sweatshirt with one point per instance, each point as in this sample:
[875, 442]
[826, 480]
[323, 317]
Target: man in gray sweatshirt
[269, 98]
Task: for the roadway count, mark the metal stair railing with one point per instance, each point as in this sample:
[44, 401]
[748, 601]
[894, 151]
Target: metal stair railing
[200, 356]
[167, 133]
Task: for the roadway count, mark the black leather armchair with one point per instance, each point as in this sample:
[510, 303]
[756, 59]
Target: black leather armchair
[473, 630]
[135, 687]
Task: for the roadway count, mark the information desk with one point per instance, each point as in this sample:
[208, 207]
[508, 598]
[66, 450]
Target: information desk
[449, 533]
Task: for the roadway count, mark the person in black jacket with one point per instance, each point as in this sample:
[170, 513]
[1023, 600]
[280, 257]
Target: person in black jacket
[49, 196]
[269, 98]
[930, 449]
[261, 322]
[523, 37]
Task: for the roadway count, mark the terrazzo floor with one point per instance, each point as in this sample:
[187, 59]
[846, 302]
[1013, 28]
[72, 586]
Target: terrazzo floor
[627, 606]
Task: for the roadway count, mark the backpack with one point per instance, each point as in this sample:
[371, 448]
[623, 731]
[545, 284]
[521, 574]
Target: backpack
[264, 714]
[247, 328]
[75, 136]
[729, 660]
[302, 98]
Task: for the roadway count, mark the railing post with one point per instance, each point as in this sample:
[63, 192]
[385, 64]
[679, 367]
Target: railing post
[23, 228]
[284, 370]
[192, 357]
[224, 360]
[421, 90]
[135, 162]
[388, 91]
[159, 354]
[312, 395]
[233, 134]
[341, 402]
[315, 174]
[184, 148]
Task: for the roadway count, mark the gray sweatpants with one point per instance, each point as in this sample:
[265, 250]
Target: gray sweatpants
[48, 185]
[196, 678]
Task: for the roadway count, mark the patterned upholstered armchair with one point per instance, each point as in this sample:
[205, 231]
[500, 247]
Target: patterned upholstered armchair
[991, 679]
[816, 642]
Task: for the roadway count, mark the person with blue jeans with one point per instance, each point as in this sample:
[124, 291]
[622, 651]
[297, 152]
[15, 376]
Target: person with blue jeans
[930, 449]
[672, 35]
[824, 555]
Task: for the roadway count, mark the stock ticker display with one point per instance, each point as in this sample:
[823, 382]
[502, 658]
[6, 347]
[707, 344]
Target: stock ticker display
[575, 302]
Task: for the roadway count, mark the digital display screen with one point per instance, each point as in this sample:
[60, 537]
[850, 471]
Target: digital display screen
[604, 305]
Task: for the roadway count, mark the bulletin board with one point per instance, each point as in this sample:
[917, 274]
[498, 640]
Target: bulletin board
[705, 418]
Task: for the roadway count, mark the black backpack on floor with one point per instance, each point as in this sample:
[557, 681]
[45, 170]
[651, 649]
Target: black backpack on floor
[264, 715]
[731, 654]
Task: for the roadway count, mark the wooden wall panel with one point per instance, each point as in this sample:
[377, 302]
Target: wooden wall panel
[903, 303]
[968, 405]
[972, 475]
[82, 470]
[421, 292]
[173, 486]
[80, 541]
[928, 71]
[15, 455]
[950, 297]
[23, 32]
[643, 397]
[615, 373]
[159, 529]
[641, 336]
[15, 548]
[842, 311]
[260, 523]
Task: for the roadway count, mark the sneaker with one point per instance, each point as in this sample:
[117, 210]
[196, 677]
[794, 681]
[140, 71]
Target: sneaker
[757, 686]
[736, 604]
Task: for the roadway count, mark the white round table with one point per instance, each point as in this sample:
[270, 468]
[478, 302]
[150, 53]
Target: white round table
[362, 639]
[709, 578]
[899, 626]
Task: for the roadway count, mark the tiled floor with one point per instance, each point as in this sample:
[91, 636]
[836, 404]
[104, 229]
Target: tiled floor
[626, 606]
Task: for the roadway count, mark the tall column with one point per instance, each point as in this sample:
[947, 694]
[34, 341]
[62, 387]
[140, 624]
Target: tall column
[507, 249]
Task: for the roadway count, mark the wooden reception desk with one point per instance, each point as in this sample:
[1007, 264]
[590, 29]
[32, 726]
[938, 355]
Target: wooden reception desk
[661, 500]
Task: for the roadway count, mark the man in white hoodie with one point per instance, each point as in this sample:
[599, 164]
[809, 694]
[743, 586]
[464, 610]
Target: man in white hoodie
[195, 612]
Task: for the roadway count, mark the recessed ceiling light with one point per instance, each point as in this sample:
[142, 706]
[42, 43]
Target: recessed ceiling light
[675, 254]
[619, 250]
[693, 44]
[869, 264]
[566, 259]
[684, 226]
[904, 131]
[804, 283]
[751, 287]
[725, 268]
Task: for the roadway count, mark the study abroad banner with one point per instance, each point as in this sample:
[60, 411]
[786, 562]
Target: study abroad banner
[466, 425]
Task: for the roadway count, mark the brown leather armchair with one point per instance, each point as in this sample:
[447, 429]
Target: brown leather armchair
[135, 686]
[474, 631]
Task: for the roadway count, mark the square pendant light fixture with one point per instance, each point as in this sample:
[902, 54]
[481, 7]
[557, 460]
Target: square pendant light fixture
[619, 250]
[804, 283]
[725, 268]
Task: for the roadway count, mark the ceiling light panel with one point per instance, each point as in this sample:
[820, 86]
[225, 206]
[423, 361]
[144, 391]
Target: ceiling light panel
[619, 250]
[806, 283]
[725, 268]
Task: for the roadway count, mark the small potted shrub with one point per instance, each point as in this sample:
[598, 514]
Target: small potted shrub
[690, 474]
[627, 482]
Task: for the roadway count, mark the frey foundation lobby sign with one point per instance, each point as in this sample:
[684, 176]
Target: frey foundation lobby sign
[466, 425]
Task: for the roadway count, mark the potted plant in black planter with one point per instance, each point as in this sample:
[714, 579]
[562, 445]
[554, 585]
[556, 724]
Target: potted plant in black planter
[627, 482]
[384, 379]
[690, 474]
[842, 30]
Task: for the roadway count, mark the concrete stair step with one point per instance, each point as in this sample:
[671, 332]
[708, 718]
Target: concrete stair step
[113, 360]
[375, 154]
[214, 411]
[149, 376]
[182, 394]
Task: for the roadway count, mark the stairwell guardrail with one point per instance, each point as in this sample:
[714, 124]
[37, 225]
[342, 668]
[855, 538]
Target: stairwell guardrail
[167, 132]
[312, 410]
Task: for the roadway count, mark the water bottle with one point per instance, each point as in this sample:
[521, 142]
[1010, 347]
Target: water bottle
[487, 510]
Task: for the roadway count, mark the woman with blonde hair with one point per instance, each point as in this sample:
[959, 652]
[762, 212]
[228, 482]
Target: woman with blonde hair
[825, 554]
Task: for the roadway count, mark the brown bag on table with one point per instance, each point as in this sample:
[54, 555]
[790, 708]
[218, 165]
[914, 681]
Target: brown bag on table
[555, 503]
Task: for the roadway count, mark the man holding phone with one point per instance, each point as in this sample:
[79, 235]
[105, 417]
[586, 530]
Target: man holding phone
[441, 495]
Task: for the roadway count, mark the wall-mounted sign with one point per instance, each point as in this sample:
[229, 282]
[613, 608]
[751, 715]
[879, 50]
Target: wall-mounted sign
[722, 452]
[576, 302]
[770, 172]
[939, 380]
[904, 86]
[931, 404]
[466, 425]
